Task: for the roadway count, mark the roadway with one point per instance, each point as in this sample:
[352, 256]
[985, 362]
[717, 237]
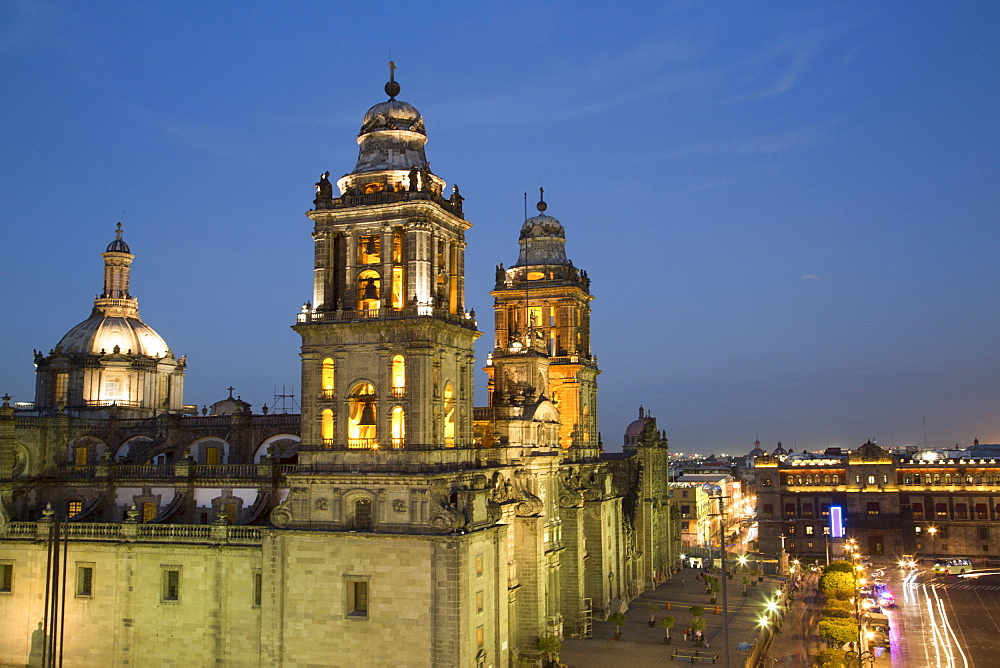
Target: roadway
[944, 622]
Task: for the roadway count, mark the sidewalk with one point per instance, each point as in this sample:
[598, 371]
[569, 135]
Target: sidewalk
[798, 640]
[644, 646]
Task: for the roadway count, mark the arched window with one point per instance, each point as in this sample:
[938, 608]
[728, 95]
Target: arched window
[326, 427]
[765, 482]
[907, 479]
[947, 478]
[398, 376]
[148, 511]
[362, 430]
[916, 478]
[449, 415]
[326, 380]
[369, 290]
[398, 426]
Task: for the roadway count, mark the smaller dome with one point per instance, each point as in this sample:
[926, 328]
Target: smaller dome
[393, 115]
[636, 427]
[118, 245]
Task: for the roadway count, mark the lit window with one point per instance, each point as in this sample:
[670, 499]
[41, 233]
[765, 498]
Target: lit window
[449, 415]
[479, 601]
[171, 584]
[398, 376]
[326, 378]
[398, 426]
[809, 530]
[480, 636]
[73, 508]
[369, 290]
[362, 429]
[80, 456]
[84, 580]
[871, 480]
[148, 511]
[213, 455]
[479, 564]
[326, 427]
[363, 514]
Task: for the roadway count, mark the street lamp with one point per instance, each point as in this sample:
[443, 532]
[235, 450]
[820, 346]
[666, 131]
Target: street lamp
[933, 532]
[715, 492]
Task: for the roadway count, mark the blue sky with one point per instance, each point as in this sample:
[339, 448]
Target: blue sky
[788, 210]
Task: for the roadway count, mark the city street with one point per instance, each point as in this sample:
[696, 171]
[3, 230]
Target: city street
[945, 621]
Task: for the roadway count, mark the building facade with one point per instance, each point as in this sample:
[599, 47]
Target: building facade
[391, 520]
[892, 504]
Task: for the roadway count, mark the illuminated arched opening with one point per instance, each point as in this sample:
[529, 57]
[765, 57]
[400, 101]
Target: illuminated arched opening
[398, 376]
[326, 427]
[362, 431]
[369, 290]
[449, 415]
[326, 379]
[398, 426]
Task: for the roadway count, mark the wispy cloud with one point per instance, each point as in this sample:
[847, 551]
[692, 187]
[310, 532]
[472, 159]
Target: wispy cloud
[810, 277]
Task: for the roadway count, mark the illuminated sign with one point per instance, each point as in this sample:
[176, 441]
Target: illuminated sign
[836, 522]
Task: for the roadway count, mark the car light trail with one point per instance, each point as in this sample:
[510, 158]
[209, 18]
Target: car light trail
[945, 640]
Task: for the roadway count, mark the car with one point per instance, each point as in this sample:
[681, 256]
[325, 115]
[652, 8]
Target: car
[869, 603]
[908, 561]
[949, 566]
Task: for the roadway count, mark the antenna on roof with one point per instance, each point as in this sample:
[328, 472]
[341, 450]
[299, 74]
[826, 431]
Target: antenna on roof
[526, 206]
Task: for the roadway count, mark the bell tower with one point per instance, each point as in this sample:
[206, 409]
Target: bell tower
[387, 346]
[542, 331]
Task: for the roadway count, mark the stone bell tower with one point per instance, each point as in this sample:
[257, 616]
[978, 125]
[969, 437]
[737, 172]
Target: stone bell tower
[387, 346]
[542, 331]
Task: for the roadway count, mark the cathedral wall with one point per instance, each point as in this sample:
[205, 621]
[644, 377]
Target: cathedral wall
[128, 617]
[431, 600]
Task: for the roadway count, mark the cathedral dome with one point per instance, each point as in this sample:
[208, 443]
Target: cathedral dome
[636, 427]
[392, 115]
[542, 226]
[102, 333]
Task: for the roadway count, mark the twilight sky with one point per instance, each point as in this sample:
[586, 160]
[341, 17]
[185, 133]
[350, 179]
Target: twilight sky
[789, 211]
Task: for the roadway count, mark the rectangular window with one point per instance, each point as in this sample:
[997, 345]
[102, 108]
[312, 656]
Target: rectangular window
[148, 511]
[258, 588]
[791, 530]
[479, 564]
[941, 509]
[984, 533]
[62, 382]
[942, 533]
[73, 508]
[357, 598]
[80, 456]
[171, 584]
[874, 507]
[824, 509]
[789, 510]
[981, 511]
[809, 544]
[826, 531]
[479, 601]
[809, 530]
[807, 510]
[480, 637]
[6, 578]
[213, 456]
[768, 509]
[685, 511]
[918, 511]
[961, 511]
[85, 580]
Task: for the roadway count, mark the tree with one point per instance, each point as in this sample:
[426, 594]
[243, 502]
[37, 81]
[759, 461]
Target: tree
[667, 623]
[696, 610]
[698, 624]
[838, 631]
[715, 587]
[549, 646]
[836, 584]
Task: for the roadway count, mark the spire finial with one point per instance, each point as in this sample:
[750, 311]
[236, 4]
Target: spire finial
[391, 87]
[541, 206]
[118, 232]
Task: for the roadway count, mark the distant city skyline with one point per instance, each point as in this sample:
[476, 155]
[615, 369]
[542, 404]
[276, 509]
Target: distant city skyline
[789, 214]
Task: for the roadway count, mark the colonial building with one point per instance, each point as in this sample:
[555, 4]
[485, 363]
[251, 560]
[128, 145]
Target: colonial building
[391, 523]
[921, 503]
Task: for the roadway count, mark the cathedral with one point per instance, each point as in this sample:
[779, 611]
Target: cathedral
[393, 522]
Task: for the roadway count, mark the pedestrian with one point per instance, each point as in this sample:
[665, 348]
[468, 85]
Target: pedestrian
[682, 582]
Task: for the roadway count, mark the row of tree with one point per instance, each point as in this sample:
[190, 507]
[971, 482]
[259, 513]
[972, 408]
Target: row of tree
[837, 584]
